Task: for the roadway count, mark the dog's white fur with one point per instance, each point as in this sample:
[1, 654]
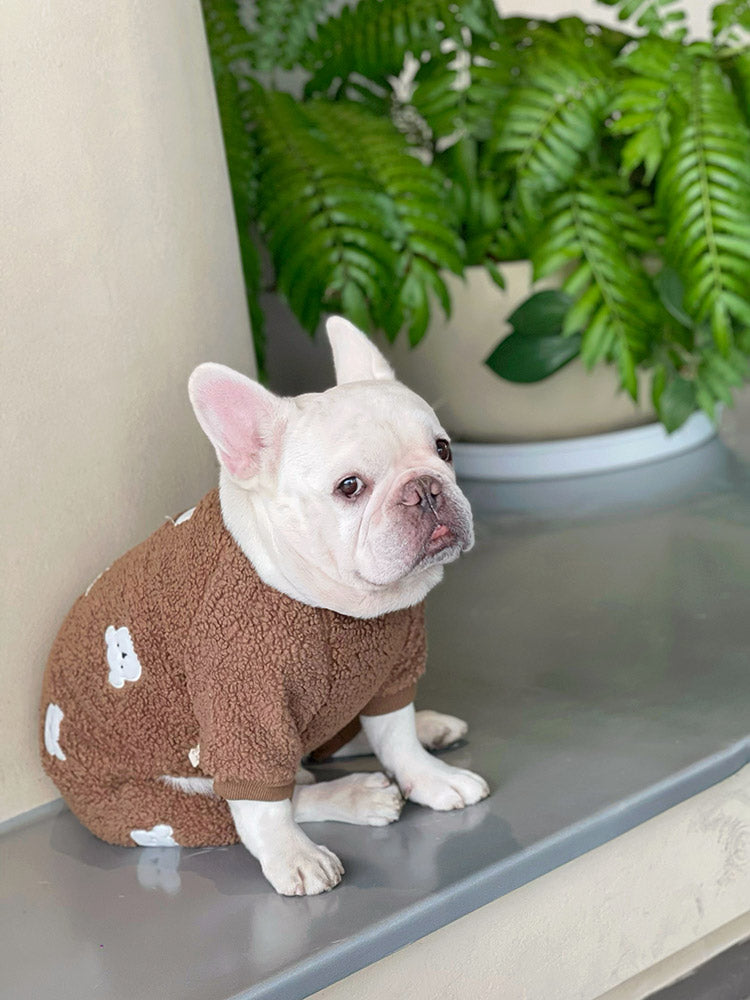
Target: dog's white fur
[281, 461]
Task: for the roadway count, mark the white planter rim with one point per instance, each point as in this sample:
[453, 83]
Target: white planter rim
[581, 455]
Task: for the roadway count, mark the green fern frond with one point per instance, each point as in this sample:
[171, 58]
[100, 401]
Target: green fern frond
[372, 38]
[460, 92]
[551, 120]
[717, 377]
[305, 213]
[228, 45]
[703, 381]
[462, 96]
[655, 91]
[419, 221]
[657, 17]
[477, 197]
[574, 32]
[227, 34]
[703, 189]
[281, 30]
[352, 221]
[596, 231]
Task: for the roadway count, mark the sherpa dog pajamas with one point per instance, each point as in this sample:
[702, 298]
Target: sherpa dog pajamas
[180, 661]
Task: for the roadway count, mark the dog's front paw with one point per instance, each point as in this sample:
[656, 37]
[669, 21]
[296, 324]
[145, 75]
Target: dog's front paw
[444, 787]
[303, 869]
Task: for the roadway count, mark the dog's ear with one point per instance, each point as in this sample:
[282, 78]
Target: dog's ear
[355, 357]
[242, 420]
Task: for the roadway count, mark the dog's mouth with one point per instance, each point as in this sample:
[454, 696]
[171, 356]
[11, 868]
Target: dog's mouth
[441, 538]
[444, 544]
[434, 539]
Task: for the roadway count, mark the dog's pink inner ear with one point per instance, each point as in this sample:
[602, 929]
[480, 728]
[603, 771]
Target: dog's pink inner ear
[236, 415]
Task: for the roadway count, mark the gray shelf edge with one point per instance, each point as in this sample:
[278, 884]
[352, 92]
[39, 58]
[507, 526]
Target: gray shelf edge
[330, 965]
[36, 815]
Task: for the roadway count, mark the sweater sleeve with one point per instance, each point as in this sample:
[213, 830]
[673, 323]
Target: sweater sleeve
[249, 740]
[400, 687]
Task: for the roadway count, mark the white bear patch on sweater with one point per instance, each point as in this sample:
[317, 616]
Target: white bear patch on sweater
[124, 664]
[52, 721]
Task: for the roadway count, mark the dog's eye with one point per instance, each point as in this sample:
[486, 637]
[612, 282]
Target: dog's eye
[443, 449]
[351, 487]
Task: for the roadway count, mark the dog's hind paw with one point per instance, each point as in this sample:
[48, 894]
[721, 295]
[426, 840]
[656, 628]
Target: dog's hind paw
[436, 730]
[440, 786]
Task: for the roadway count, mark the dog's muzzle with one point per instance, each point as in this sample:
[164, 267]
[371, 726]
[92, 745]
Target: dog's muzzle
[425, 492]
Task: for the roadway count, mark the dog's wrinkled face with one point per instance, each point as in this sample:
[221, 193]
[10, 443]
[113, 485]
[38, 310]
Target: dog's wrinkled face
[345, 499]
[369, 466]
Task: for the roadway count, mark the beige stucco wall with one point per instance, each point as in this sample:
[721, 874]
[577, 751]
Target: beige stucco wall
[119, 272]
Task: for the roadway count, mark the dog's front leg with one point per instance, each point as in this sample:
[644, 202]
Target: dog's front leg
[421, 777]
[291, 862]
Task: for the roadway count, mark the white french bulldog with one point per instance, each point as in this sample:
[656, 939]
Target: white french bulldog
[345, 500]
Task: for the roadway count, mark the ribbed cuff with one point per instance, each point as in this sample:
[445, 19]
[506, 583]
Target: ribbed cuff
[236, 788]
[382, 704]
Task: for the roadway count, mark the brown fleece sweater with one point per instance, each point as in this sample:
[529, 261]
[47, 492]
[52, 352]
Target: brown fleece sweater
[180, 644]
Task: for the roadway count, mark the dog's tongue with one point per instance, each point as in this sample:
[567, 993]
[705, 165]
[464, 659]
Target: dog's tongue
[439, 532]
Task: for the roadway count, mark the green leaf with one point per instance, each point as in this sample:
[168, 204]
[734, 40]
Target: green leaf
[658, 385]
[672, 293]
[721, 326]
[413, 298]
[580, 312]
[354, 305]
[432, 280]
[598, 339]
[541, 314]
[738, 306]
[521, 358]
[626, 370]
[677, 401]
[494, 272]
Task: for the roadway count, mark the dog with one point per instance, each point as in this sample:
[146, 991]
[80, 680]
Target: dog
[281, 616]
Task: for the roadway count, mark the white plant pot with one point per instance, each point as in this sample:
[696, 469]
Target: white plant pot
[448, 369]
[579, 456]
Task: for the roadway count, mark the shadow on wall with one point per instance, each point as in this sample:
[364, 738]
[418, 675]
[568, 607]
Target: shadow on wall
[295, 361]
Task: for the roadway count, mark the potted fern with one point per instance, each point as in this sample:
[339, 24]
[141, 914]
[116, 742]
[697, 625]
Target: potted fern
[428, 138]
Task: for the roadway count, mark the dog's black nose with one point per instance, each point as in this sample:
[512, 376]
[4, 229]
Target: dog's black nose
[424, 491]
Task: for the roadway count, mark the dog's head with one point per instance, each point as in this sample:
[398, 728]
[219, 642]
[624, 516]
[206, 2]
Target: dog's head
[345, 499]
